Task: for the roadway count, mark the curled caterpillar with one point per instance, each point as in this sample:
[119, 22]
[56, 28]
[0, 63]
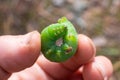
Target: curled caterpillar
[59, 41]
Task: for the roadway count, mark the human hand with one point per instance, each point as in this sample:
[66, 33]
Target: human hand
[20, 60]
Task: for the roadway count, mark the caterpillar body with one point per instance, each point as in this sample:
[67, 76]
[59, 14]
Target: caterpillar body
[63, 30]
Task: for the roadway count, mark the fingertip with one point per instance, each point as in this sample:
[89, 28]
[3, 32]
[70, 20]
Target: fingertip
[34, 39]
[104, 65]
[99, 69]
[86, 49]
[19, 52]
[28, 49]
[32, 47]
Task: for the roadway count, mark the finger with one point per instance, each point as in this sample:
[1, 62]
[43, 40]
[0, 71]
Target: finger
[84, 54]
[100, 69]
[18, 52]
[32, 73]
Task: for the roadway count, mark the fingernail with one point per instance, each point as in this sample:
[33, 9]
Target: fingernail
[105, 78]
[87, 44]
[93, 46]
[101, 69]
[30, 37]
[32, 40]
[87, 39]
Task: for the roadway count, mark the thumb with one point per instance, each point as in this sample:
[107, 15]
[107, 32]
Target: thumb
[18, 52]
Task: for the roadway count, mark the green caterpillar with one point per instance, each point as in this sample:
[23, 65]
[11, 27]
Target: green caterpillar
[51, 35]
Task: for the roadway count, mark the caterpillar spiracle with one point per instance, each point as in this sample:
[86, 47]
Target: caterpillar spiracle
[50, 37]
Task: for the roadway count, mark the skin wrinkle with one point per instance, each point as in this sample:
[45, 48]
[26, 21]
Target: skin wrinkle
[71, 69]
[15, 77]
[47, 73]
[100, 69]
[47, 76]
[76, 76]
[4, 73]
[35, 72]
[67, 68]
[105, 72]
[58, 68]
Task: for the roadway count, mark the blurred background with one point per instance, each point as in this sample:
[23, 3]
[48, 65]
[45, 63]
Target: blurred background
[98, 19]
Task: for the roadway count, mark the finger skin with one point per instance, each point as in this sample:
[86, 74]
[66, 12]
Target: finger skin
[75, 76]
[18, 52]
[32, 73]
[100, 69]
[88, 73]
[84, 54]
[60, 71]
